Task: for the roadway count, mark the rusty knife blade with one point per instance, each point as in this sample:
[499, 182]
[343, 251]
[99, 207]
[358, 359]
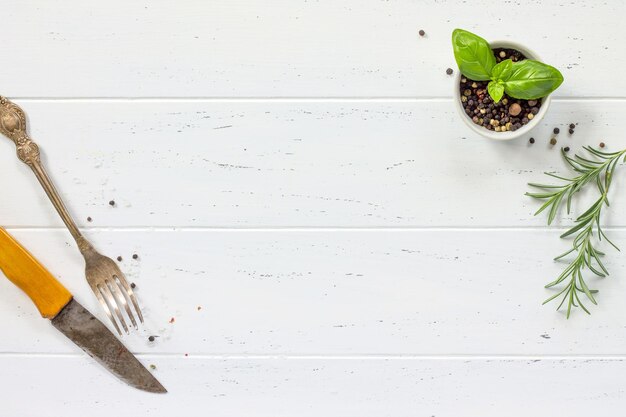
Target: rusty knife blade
[86, 331]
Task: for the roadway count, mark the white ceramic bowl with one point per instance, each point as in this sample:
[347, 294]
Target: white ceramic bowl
[545, 102]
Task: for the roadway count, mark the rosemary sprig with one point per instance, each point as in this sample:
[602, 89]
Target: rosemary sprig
[598, 168]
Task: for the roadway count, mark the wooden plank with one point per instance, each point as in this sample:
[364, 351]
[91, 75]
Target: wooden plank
[275, 164]
[314, 387]
[287, 48]
[435, 292]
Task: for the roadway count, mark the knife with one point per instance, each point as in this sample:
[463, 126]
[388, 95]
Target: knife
[57, 304]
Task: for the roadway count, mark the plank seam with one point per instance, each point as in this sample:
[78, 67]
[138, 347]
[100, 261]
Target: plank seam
[307, 229]
[369, 357]
[390, 99]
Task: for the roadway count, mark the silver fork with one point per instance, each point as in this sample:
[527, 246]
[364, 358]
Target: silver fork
[102, 273]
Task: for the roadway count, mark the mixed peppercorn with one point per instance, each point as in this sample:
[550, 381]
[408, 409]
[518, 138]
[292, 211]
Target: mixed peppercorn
[509, 114]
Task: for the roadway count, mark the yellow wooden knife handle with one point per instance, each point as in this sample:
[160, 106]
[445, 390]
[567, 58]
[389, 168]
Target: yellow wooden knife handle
[21, 268]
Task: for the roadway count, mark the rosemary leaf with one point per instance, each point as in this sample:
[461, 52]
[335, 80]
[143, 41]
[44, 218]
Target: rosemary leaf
[598, 169]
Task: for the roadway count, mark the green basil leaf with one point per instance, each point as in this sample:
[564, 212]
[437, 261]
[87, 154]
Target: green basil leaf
[473, 55]
[502, 70]
[495, 90]
[530, 80]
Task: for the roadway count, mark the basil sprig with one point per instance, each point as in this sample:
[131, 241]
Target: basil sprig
[473, 55]
[500, 73]
[527, 79]
[532, 79]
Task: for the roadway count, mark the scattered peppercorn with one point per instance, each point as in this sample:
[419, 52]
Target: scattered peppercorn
[571, 131]
[89, 219]
[553, 141]
[135, 256]
[422, 33]
[199, 308]
[111, 203]
[531, 140]
[602, 145]
[119, 259]
[556, 130]
[132, 285]
[449, 71]
[151, 338]
[572, 125]
[566, 149]
[186, 354]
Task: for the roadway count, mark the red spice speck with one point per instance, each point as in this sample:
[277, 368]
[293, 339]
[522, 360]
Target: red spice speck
[172, 320]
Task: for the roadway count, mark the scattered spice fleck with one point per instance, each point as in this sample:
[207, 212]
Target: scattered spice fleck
[151, 338]
[449, 71]
[111, 203]
[421, 32]
[119, 259]
[572, 125]
[199, 308]
[89, 219]
[571, 131]
[186, 354]
[132, 285]
[602, 145]
[531, 140]
[135, 256]
[172, 320]
[566, 149]
[556, 130]
[152, 367]
[553, 141]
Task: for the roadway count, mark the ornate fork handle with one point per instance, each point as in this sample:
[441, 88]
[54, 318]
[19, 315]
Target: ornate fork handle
[13, 126]
[104, 277]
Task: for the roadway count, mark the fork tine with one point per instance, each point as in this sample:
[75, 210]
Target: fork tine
[106, 292]
[122, 299]
[105, 305]
[131, 295]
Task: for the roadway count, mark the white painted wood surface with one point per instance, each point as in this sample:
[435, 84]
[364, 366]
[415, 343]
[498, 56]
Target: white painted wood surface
[286, 48]
[267, 164]
[336, 292]
[236, 386]
[296, 170]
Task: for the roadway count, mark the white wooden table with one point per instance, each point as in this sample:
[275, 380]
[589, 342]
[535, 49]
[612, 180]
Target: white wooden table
[304, 201]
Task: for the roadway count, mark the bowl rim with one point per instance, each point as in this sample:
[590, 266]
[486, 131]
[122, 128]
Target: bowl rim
[509, 135]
